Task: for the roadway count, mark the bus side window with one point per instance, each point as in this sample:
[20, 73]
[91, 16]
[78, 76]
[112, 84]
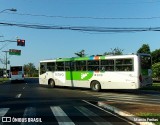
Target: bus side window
[51, 66]
[59, 66]
[81, 65]
[93, 65]
[42, 69]
[124, 64]
[107, 65]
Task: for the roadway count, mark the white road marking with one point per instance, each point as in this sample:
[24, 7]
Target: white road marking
[61, 116]
[108, 112]
[3, 111]
[18, 95]
[97, 120]
[31, 113]
[137, 99]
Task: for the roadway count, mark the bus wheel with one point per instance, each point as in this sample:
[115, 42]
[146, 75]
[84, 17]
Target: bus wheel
[51, 83]
[95, 86]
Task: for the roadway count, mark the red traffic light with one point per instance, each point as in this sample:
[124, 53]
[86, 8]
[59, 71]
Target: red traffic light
[20, 42]
[23, 42]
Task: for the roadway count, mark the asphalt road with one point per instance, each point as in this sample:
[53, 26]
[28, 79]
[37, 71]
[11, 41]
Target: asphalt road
[29, 103]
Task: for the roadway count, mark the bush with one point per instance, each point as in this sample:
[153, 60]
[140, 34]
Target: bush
[156, 70]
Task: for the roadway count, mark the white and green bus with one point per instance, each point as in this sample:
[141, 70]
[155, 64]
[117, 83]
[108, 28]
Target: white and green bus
[98, 72]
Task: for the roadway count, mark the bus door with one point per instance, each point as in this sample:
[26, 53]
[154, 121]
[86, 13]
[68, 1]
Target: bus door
[43, 69]
[145, 70]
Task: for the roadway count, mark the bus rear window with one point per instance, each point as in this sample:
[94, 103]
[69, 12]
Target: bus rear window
[145, 62]
[17, 68]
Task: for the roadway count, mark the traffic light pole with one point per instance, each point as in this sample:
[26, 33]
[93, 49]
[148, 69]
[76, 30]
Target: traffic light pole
[20, 42]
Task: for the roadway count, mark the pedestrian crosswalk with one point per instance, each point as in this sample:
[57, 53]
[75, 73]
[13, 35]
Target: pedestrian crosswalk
[128, 98]
[58, 115]
[3, 111]
[61, 116]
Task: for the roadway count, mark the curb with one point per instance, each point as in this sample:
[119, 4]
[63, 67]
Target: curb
[127, 115]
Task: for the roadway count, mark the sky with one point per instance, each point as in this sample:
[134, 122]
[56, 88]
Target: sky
[47, 43]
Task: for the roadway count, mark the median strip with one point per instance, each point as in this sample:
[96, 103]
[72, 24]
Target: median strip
[127, 115]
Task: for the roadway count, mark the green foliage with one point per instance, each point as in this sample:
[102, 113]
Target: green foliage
[30, 70]
[150, 115]
[156, 70]
[155, 87]
[115, 51]
[156, 56]
[144, 49]
[81, 53]
[2, 80]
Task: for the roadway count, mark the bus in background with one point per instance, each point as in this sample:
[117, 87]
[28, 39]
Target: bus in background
[98, 72]
[16, 73]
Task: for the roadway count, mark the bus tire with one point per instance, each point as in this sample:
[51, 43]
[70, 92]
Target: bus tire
[95, 86]
[51, 83]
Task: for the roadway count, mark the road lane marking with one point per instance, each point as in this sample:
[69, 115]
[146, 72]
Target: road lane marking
[96, 119]
[128, 98]
[18, 95]
[130, 102]
[3, 111]
[29, 112]
[61, 116]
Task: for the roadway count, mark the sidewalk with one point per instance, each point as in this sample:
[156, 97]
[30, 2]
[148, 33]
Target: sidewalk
[133, 111]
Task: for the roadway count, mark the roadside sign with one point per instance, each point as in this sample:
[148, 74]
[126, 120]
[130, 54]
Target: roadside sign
[14, 52]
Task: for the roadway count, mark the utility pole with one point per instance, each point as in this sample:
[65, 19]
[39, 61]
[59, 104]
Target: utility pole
[6, 62]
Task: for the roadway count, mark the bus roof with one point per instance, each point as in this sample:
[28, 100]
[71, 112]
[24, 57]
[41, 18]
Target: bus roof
[93, 57]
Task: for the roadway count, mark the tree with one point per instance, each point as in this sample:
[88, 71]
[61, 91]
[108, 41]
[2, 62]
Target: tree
[115, 51]
[156, 56]
[30, 70]
[156, 70]
[144, 49]
[81, 53]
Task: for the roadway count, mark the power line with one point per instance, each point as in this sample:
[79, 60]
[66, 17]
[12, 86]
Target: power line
[8, 41]
[138, 2]
[87, 17]
[84, 28]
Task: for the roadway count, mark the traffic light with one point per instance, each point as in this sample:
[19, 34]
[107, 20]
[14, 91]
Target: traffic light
[23, 42]
[20, 42]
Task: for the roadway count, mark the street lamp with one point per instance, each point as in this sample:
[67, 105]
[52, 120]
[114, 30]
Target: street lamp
[6, 61]
[12, 9]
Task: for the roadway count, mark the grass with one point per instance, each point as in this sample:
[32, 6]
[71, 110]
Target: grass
[2, 80]
[155, 87]
[150, 116]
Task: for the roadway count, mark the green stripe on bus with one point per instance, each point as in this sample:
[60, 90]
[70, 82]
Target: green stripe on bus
[102, 57]
[64, 59]
[78, 75]
[72, 59]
